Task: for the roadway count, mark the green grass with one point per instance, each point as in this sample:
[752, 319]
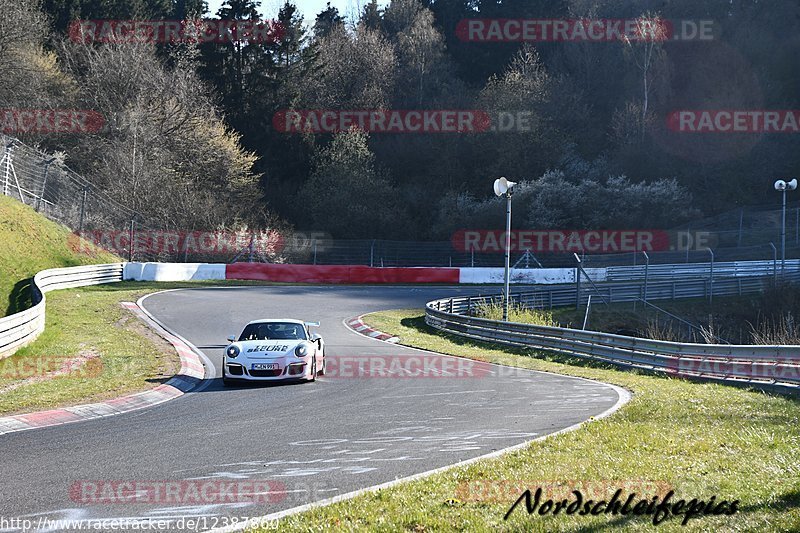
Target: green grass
[700, 439]
[88, 321]
[516, 313]
[30, 243]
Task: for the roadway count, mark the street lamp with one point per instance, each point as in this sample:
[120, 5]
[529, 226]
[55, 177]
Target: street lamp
[502, 187]
[784, 186]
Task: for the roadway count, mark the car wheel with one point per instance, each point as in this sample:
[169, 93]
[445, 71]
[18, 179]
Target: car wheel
[322, 370]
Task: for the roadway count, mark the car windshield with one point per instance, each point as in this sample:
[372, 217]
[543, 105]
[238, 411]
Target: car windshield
[273, 331]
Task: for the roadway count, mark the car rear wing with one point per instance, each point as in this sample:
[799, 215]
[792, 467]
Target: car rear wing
[312, 324]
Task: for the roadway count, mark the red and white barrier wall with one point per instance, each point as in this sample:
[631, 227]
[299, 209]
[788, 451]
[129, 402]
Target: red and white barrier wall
[173, 271]
[348, 274]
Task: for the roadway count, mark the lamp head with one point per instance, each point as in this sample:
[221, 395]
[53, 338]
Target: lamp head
[502, 186]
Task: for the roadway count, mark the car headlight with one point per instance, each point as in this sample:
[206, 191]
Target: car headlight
[232, 351]
[301, 350]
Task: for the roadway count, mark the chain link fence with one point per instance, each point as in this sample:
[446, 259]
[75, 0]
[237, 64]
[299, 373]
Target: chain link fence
[45, 183]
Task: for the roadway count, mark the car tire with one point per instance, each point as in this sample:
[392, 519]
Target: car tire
[322, 371]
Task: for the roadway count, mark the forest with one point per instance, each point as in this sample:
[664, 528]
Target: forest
[195, 136]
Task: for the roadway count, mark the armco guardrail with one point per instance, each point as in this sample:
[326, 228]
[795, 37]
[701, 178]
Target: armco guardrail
[755, 365]
[721, 269]
[22, 328]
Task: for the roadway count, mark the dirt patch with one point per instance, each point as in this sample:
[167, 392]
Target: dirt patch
[38, 369]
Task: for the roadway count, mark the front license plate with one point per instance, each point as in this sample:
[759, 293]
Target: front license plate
[265, 366]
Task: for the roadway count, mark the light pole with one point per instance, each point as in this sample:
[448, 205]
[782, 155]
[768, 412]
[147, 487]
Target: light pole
[502, 187]
[784, 186]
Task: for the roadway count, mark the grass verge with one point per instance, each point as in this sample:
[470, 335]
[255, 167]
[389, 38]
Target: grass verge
[124, 355]
[30, 243]
[701, 440]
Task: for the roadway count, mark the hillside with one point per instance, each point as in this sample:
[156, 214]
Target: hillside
[29, 243]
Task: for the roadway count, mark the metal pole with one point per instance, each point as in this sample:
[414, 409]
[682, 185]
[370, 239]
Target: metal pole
[130, 248]
[774, 262]
[44, 183]
[7, 157]
[646, 268]
[741, 217]
[371, 252]
[688, 231]
[586, 316]
[315, 251]
[711, 282]
[797, 227]
[783, 234]
[577, 283]
[508, 257]
[83, 210]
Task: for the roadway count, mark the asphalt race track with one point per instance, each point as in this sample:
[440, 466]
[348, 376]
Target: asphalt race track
[311, 441]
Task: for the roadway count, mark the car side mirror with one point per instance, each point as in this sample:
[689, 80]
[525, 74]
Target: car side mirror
[231, 338]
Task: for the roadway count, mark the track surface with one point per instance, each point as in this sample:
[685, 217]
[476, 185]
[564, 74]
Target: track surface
[315, 440]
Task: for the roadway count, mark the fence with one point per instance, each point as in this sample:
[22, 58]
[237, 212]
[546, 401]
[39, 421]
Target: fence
[45, 183]
[22, 328]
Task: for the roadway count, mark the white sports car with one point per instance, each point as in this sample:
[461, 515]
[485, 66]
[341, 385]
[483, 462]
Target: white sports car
[273, 350]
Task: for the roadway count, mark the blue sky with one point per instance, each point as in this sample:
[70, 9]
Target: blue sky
[309, 8]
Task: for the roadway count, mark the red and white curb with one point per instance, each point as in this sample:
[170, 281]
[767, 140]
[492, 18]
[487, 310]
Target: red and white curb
[190, 375]
[357, 325]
